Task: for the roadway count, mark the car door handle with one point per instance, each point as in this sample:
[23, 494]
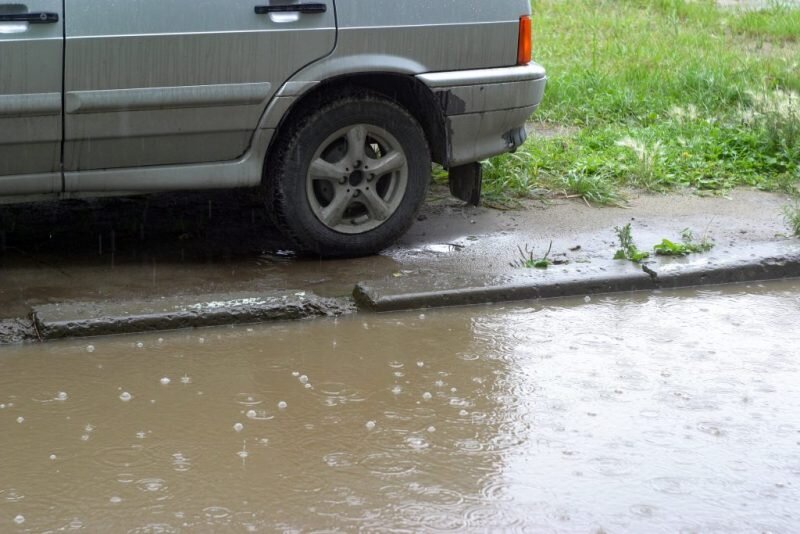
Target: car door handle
[30, 18]
[292, 8]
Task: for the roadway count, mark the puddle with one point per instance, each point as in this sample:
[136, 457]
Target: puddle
[677, 411]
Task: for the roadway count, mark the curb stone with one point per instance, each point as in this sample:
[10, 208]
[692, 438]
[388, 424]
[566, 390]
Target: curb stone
[57, 321]
[385, 296]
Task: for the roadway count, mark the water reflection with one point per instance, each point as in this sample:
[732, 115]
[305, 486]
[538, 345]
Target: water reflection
[651, 413]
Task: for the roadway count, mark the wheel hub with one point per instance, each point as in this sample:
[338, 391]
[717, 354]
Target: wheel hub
[356, 177]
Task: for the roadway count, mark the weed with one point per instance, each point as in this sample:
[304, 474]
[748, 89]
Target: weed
[528, 261]
[628, 249]
[792, 216]
[686, 246]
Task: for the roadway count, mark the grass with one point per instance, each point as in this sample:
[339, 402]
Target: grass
[527, 259]
[628, 249]
[663, 94]
[687, 245]
[792, 216]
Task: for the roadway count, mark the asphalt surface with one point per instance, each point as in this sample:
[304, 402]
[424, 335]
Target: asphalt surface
[97, 258]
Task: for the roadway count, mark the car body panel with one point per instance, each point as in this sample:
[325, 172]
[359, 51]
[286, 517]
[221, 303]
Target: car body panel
[30, 100]
[158, 83]
[162, 97]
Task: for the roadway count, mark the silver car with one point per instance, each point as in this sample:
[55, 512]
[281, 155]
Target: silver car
[334, 108]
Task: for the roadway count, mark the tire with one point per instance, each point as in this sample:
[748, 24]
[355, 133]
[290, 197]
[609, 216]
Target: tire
[334, 199]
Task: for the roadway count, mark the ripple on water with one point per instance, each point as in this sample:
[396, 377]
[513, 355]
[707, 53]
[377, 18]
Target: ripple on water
[154, 528]
[249, 399]
[340, 460]
[152, 485]
[135, 455]
[337, 394]
[611, 467]
[673, 485]
[432, 518]
[217, 515]
[388, 465]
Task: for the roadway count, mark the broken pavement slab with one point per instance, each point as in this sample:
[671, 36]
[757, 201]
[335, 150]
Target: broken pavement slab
[85, 319]
[770, 261]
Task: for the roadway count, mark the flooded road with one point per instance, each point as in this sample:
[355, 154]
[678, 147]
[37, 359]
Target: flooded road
[676, 411]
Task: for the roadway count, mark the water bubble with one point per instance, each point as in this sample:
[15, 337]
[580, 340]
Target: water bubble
[251, 414]
[140, 345]
[115, 499]
[2, 406]
[85, 437]
[243, 454]
[431, 429]
[303, 379]
[161, 340]
[295, 374]
[186, 379]
[427, 395]
[89, 427]
[397, 390]
[422, 316]
[587, 299]
[165, 381]
[52, 456]
[463, 413]
[370, 425]
[62, 396]
[19, 519]
[125, 396]
[202, 340]
[238, 427]
[282, 405]
[420, 364]
[20, 419]
[439, 383]
[90, 348]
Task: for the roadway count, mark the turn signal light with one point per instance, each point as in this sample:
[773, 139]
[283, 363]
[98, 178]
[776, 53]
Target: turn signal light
[525, 49]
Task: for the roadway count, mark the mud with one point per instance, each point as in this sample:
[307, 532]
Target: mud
[664, 412]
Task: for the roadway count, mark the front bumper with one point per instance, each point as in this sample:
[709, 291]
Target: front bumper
[486, 109]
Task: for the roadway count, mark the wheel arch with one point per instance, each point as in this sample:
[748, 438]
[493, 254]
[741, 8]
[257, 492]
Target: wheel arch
[404, 89]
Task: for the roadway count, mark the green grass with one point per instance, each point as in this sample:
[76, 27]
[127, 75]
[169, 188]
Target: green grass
[664, 94]
[792, 215]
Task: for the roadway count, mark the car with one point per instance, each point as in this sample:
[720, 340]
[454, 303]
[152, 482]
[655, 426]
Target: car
[335, 109]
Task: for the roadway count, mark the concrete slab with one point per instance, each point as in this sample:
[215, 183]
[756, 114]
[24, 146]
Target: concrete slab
[53, 321]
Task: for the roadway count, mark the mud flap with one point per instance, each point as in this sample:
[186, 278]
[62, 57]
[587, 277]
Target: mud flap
[466, 182]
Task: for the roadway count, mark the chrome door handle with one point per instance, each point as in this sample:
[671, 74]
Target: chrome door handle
[292, 8]
[31, 18]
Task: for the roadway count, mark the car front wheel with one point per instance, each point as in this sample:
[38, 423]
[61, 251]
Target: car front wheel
[349, 177]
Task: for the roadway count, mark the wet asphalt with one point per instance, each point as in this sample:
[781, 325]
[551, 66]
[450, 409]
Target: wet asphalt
[144, 249]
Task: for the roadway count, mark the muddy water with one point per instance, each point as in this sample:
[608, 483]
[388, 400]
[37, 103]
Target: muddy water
[652, 413]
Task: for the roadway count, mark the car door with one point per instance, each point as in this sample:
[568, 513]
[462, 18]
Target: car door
[31, 47]
[155, 82]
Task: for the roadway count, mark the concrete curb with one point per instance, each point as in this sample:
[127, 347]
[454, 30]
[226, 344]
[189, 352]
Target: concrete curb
[392, 296]
[57, 321]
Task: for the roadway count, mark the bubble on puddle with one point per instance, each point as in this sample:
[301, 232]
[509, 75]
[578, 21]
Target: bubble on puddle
[2, 406]
[125, 396]
[52, 456]
[115, 499]
[463, 413]
[186, 379]
[431, 429]
[282, 405]
[397, 390]
[587, 298]
[201, 340]
[161, 340]
[295, 374]
[19, 519]
[141, 434]
[89, 427]
[420, 364]
[165, 381]
[422, 316]
[303, 379]
[139, 345]
[90, 348]
[427, 395]
[439, 383]
[251, 414]
[370, 425]
[238, 427]
[61, 396]
[85, 437]
[20, 419]
[243, 454]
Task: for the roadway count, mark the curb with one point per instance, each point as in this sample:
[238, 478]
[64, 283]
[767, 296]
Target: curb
[390, 296]
[58, 321]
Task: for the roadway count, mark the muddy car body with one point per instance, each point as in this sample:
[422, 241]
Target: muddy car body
[334, 108]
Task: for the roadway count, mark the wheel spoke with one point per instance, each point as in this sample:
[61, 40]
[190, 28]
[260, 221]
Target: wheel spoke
[356, 144]
[376, 206]
[324, 169]
[389, 163]
[333, 213]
